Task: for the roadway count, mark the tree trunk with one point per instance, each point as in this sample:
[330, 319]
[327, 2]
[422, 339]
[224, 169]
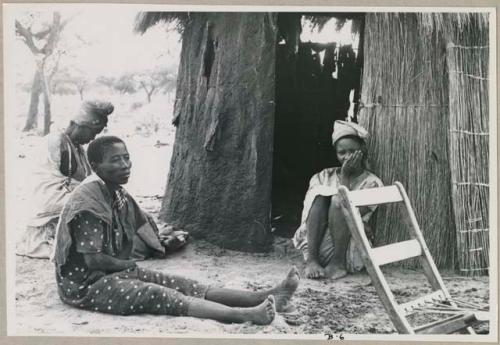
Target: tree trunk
[36, 89]
[219, 185]
[149, 93]
[40, 81]
[46, 103]
[47, 118]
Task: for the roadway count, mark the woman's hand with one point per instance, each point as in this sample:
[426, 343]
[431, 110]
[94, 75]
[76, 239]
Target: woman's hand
[351, 166]
[107, 263]
[132, 264]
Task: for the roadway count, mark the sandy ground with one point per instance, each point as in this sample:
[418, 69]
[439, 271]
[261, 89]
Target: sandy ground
[349, 305]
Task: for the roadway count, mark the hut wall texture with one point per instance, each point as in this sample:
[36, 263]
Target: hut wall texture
[405, 108]
[467, 57]
[219, 185]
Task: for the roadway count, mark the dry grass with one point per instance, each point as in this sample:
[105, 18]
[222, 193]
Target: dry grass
[411, 102]
[145, 20]
[406, 111]
[467, 59]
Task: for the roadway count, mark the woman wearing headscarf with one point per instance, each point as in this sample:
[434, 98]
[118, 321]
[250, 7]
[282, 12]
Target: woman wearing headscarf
[323, 236]
[59, 170]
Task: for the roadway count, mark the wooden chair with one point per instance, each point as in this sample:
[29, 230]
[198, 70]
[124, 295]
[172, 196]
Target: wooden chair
[458, 315]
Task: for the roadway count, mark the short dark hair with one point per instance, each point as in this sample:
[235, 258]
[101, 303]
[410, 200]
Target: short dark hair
[97, 147]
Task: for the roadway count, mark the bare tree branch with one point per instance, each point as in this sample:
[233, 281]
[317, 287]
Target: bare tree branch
[41, 34]
[55, 29]
[27, 37]
[55, 68]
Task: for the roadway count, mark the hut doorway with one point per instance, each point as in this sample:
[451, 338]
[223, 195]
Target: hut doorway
[317, 82]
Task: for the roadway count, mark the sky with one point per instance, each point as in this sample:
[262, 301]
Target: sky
[329, 34]
[111, 47]
[117, 48]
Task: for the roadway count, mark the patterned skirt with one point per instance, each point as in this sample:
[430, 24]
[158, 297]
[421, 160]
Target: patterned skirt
[133, 291]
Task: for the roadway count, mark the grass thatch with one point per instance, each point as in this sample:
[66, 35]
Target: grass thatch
[467, 60]
[406, 111]
[455, 27]
[408, 96]
[145, 20]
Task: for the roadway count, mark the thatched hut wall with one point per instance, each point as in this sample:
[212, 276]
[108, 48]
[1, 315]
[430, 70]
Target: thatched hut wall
[415, 98]
[467, 56]
[219, 185]
[405, 108]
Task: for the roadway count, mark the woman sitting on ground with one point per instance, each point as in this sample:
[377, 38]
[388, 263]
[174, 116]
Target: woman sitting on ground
[95, 271]
[61, 168]
[332, 253]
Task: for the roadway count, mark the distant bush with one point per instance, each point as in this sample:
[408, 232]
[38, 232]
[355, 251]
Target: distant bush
[136, 105]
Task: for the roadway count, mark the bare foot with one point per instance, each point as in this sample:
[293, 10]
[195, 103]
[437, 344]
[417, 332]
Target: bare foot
[314, 270]
[284, 291]
[264, 313]
[334, 271]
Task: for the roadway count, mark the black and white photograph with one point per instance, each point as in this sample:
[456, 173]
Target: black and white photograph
[254, 172]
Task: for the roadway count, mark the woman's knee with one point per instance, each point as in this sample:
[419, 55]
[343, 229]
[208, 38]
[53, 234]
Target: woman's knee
[319, 206]
[321, 201]
[335, 203]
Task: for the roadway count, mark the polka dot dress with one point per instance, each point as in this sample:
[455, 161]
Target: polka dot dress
[132, 291]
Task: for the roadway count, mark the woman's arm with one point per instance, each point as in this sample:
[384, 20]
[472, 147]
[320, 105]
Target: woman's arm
[104, 262]
[64, 166]
[90, 240]
[68, 163]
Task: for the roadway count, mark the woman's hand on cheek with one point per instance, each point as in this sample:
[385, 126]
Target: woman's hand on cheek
[347, 166]
[357, 161]
[352, 164]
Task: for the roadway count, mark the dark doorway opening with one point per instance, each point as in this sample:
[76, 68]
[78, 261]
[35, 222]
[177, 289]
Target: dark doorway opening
[316, 84]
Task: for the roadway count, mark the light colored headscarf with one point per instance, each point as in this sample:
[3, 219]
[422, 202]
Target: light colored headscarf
[94, 114]
[343, 128]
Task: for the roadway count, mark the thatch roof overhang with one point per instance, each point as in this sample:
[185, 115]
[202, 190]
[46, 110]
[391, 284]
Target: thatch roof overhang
[146, 20]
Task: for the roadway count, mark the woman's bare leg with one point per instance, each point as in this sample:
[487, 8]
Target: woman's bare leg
[282, 293]
[317, 222]
[262, 314]
[341, 236]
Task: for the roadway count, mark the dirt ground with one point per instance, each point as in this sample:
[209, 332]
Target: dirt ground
[349, 305]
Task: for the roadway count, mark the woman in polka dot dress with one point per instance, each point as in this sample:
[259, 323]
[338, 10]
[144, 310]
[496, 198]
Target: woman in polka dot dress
[94, 269]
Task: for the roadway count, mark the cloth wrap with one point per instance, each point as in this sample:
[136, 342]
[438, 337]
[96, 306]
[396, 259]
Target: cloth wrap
[93, 196]
[52, 187]
[343, 128]
[94, 114]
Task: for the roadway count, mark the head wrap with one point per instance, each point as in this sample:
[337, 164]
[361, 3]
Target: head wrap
[342, 129]
[94, 114]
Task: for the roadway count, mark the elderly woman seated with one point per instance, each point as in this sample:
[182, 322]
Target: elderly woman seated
[59, 169]
[94, 265]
